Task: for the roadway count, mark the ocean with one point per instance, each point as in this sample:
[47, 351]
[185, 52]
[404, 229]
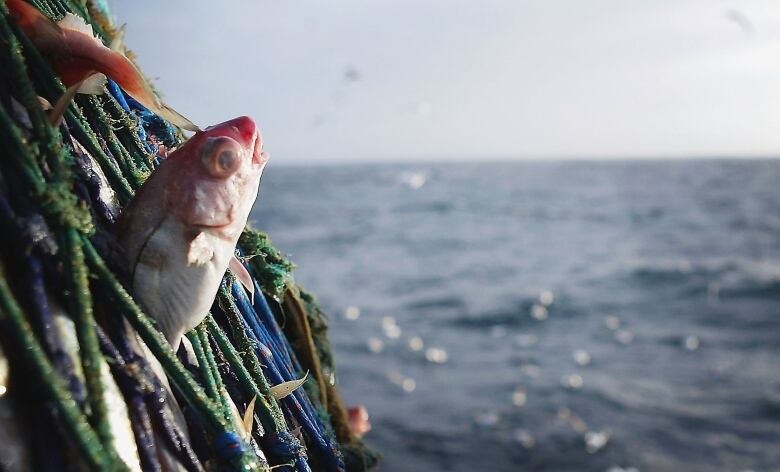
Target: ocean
[552, 316]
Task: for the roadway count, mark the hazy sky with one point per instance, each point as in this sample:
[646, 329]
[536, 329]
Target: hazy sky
[336, 80]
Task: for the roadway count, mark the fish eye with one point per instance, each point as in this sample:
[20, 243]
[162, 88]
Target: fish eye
[222, 159]
[225, 159]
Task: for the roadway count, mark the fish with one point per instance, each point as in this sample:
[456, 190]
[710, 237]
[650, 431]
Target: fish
[180, 231]
[82, 61]
[285, 388]
[358, 420]
[249, 417]
[123, 438]
[15, 451]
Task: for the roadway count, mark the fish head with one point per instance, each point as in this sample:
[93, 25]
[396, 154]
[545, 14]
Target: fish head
[215, 177]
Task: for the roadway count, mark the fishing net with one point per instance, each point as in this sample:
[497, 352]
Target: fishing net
[76, 392]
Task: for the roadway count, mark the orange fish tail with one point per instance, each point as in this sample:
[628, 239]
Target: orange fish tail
[89, 55]
[25, 14]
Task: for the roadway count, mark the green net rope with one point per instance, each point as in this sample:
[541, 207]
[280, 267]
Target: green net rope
[44, 158]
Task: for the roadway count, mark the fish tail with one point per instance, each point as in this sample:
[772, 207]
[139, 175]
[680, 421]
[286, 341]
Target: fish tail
[127, 76]
[25, 14]
[45, 33]
[118, 41]
[74, 39]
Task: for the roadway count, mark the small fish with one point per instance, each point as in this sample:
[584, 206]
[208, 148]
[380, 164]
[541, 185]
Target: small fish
[81, 60]
[180, 230]
[249, 417]
[118, 415]
[358, 420]
[285, 388]
[15, 450]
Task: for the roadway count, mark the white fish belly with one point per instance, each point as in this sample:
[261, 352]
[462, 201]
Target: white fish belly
[178, 293]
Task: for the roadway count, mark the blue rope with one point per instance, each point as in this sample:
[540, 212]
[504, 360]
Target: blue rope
[118, 95]
[122, 99]
[277, 366]
[263, 314]
[263, 310]
[140, 387]
[146, 384]
[283, 447]
[51, 337]
[279, 361]
[139, 413]
[43, 318]
[228, 445]
[152, 123]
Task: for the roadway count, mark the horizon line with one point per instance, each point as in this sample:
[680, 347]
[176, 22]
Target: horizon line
[507, 158]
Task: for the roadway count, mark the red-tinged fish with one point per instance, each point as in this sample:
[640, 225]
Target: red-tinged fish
[357, 417]
[180, 231]
[83, 61]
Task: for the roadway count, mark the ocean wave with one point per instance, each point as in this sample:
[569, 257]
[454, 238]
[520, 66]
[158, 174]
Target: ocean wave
[440, 207]
[515, 316]
[441, 303]
[527, 311]
[719, 277]
[666, 273]
[764, 409]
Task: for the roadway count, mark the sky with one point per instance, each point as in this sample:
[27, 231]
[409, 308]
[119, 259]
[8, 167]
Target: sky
[405, 80]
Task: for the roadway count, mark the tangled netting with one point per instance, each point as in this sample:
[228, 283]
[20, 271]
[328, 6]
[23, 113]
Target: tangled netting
[74, 388]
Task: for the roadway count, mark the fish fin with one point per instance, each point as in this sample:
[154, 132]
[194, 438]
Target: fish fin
[189, 351]
[76, 23]
[95, 84]
[45, 104]
[249, 416]
[118, 41]
[92, 85]
[46, 34]
[243, 276]
[285, 388]
[135, 84]
[200, 251]
[58, 110]
[174, 117]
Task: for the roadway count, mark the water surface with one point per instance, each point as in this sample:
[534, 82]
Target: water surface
[557, 316]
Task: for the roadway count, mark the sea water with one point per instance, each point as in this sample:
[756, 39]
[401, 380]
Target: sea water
[558, 316]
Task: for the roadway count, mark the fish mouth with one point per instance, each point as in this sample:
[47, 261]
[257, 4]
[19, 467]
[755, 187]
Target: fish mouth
[249, 136]
[222, 231]
[259, 158]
